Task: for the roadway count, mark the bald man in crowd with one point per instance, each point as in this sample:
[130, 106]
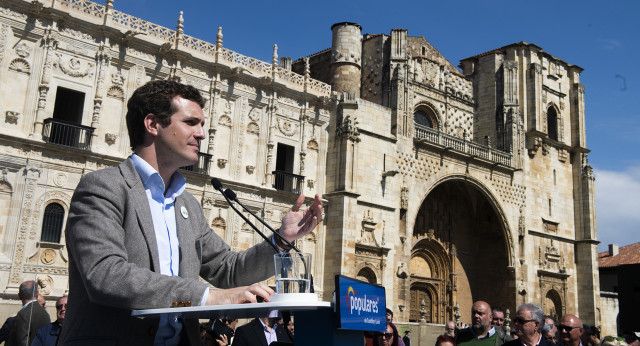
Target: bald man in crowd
[481, 332]
[570, 330]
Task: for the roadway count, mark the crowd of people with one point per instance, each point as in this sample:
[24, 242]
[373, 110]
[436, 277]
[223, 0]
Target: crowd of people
[530, 328]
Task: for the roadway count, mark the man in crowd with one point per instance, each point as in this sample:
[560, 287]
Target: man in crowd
[48, 334]
[261, 331]
[570, 330]
[31, 316]
[450, 329]
[481, 332]
[498, 317]
[549, 330]
[138, 240]
[528, 323]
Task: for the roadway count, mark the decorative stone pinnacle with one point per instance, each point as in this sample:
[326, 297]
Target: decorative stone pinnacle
[219, 38]
[180, 23]
[307, 67]
[274, 60]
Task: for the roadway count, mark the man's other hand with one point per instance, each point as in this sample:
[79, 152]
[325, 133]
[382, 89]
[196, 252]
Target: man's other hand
[296, 223]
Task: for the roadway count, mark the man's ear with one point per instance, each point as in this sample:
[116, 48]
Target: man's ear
[151, 124]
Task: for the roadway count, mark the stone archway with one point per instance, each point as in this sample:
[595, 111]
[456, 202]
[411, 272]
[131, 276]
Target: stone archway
[553, 304]
[465, 218]
[368, 275]
[429, 276]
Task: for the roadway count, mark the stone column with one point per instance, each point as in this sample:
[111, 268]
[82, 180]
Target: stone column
[50, 45]
[31, 176]
[346, 55]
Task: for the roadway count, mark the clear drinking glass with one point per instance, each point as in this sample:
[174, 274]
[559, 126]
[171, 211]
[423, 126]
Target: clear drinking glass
[293, 272]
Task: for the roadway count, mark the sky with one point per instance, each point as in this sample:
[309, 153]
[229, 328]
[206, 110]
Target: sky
[599, 36]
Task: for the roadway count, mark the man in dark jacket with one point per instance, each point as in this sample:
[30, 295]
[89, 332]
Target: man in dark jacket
[261, 332]
[31, 316]
[528, 325]
[48, 334]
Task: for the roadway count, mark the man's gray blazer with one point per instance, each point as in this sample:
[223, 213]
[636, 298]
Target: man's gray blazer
[114, 265]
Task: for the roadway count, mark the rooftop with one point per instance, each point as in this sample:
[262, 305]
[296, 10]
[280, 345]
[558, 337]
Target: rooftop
[629, 254]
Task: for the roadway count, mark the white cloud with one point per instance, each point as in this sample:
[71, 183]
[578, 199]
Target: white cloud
[608, 43]
[618, 206]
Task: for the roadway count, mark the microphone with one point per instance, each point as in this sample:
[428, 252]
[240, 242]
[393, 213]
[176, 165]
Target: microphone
[218, 186]
[230, 195]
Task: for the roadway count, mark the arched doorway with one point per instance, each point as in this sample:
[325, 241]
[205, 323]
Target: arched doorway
[461, 216]
[366, 274]
[553, 304]
[429, 273]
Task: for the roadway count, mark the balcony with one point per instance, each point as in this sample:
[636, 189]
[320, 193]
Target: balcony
[202, 166]
[464, 146]
[67, 134]
[284, 181]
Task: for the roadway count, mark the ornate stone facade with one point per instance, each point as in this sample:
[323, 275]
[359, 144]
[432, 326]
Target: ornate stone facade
[443, 185]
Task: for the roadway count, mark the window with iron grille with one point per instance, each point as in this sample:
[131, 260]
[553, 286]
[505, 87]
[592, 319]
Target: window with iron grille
[52, 223]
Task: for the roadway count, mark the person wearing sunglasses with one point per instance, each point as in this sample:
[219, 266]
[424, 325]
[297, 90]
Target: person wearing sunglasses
[389, 338]
[570, 330]
[48, 334]
[528, 325]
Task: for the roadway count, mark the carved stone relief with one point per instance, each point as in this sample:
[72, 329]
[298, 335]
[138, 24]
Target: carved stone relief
[287, 128]
[73, 66]
[12, 117]
[20, 65]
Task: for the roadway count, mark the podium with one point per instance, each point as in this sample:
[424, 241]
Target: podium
[315, 322]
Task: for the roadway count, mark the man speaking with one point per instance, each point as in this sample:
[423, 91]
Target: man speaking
[138, 240]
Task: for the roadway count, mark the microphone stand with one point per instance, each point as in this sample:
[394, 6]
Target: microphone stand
[231, 195]
[244, 217]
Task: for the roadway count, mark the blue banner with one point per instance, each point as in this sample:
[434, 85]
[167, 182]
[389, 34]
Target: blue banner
[360, 305]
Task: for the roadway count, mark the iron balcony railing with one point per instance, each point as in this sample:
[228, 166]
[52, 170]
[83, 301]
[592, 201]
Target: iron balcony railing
[67, 134]
[285, 181]
[202, 166]
[461, 145]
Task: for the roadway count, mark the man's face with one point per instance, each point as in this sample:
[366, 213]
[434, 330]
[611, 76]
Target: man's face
[389, 317]
[451, 329]
[570, 330]
[525, 326]
[41, 300]
[481, 316]
[498, 318]
[178, 143]
[61, 309]
[386, 339]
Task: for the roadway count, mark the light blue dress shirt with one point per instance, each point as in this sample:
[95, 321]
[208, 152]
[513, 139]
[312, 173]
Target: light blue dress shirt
[164, 223]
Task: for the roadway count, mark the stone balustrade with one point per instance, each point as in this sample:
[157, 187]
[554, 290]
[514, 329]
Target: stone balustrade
[189, 43]
[463, 146]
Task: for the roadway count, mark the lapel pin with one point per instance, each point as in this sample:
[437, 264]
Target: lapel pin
[184, 212]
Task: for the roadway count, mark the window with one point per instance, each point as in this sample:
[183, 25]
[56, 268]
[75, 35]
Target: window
[68, 106]
[52, 223]
[64, 127]
[425, 117]
[285, 180]
[552, 123]
[284, 158]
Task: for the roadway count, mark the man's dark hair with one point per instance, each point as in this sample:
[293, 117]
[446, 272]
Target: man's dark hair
[497, 309]
[155, 98]
[390, 312]
[28, 290]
